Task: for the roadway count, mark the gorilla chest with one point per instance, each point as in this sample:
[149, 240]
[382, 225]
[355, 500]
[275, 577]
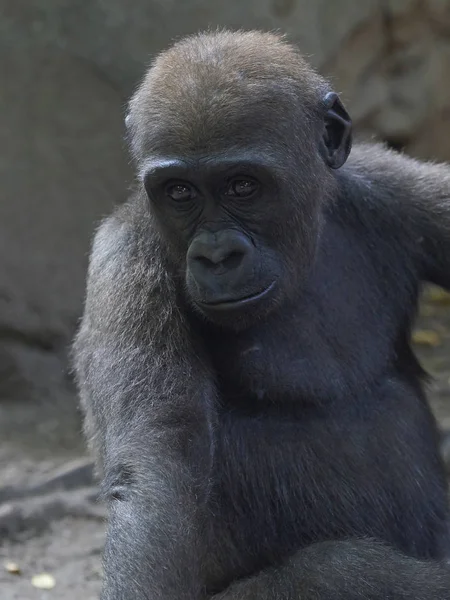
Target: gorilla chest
[330, 344]
[304, 360]
[277, 487]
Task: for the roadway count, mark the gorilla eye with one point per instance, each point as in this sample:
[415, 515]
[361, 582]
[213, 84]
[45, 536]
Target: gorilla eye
[180, 192]
[242, 188]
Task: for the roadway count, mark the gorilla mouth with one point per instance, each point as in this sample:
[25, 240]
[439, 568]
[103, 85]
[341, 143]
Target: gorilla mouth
[232, 303]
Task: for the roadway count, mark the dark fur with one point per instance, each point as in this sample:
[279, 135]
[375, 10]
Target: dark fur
[284, 452]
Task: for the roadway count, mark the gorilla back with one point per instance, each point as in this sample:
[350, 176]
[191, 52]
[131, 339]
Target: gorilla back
[244, 357]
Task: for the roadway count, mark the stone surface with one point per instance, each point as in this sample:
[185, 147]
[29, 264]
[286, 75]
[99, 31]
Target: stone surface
[62, 168]
[69, 550]
[390, 58]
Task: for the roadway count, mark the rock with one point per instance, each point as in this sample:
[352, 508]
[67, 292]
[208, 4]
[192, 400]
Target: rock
[63, 167]
[43, 581]
[31, 516]
[388, 57]
[12, 568]
[76, 474]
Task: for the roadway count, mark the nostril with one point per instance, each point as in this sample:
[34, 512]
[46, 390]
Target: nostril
[204, 262]
[233, 260]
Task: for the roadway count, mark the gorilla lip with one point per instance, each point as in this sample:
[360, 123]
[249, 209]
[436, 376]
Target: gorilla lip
[238, 303]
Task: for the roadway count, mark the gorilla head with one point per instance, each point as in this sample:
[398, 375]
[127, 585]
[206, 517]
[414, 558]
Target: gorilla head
[235, 140]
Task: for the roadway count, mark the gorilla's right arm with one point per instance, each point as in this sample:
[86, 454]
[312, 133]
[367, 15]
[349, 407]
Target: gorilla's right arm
[147, 398]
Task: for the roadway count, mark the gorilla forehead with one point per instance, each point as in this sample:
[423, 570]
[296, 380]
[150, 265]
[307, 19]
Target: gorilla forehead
[216, 85]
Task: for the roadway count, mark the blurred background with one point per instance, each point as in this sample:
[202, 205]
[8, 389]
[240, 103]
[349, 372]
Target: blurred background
[67, 68]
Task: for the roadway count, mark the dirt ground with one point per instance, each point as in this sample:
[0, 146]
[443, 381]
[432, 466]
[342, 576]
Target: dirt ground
[50, 521]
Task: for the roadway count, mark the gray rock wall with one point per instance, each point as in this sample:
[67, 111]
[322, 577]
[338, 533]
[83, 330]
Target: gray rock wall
[67, 67]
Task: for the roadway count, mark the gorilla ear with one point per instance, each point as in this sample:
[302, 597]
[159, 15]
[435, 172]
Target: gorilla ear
[127, 120]
[337, 138]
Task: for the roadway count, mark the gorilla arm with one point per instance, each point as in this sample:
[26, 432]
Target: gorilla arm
[346, 570]
[412, 199]
[145, 396]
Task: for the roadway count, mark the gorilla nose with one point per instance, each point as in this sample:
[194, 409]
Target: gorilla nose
[226, 252]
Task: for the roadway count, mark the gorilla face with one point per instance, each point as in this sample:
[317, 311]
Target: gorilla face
[236, 176]
[218, 213]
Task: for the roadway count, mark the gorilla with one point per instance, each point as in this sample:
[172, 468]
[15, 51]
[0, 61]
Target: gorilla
[244, 361]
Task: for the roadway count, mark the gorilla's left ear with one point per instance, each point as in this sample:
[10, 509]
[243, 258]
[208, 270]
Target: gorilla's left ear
[127, 120]
[337, 138]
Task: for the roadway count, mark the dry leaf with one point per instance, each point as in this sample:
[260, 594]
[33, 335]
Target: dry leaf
[439, 296]
[426, 337]
[43, 581]
[426, 310]
[12, 568]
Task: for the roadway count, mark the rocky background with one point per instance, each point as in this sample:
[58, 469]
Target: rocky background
[67, 68]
